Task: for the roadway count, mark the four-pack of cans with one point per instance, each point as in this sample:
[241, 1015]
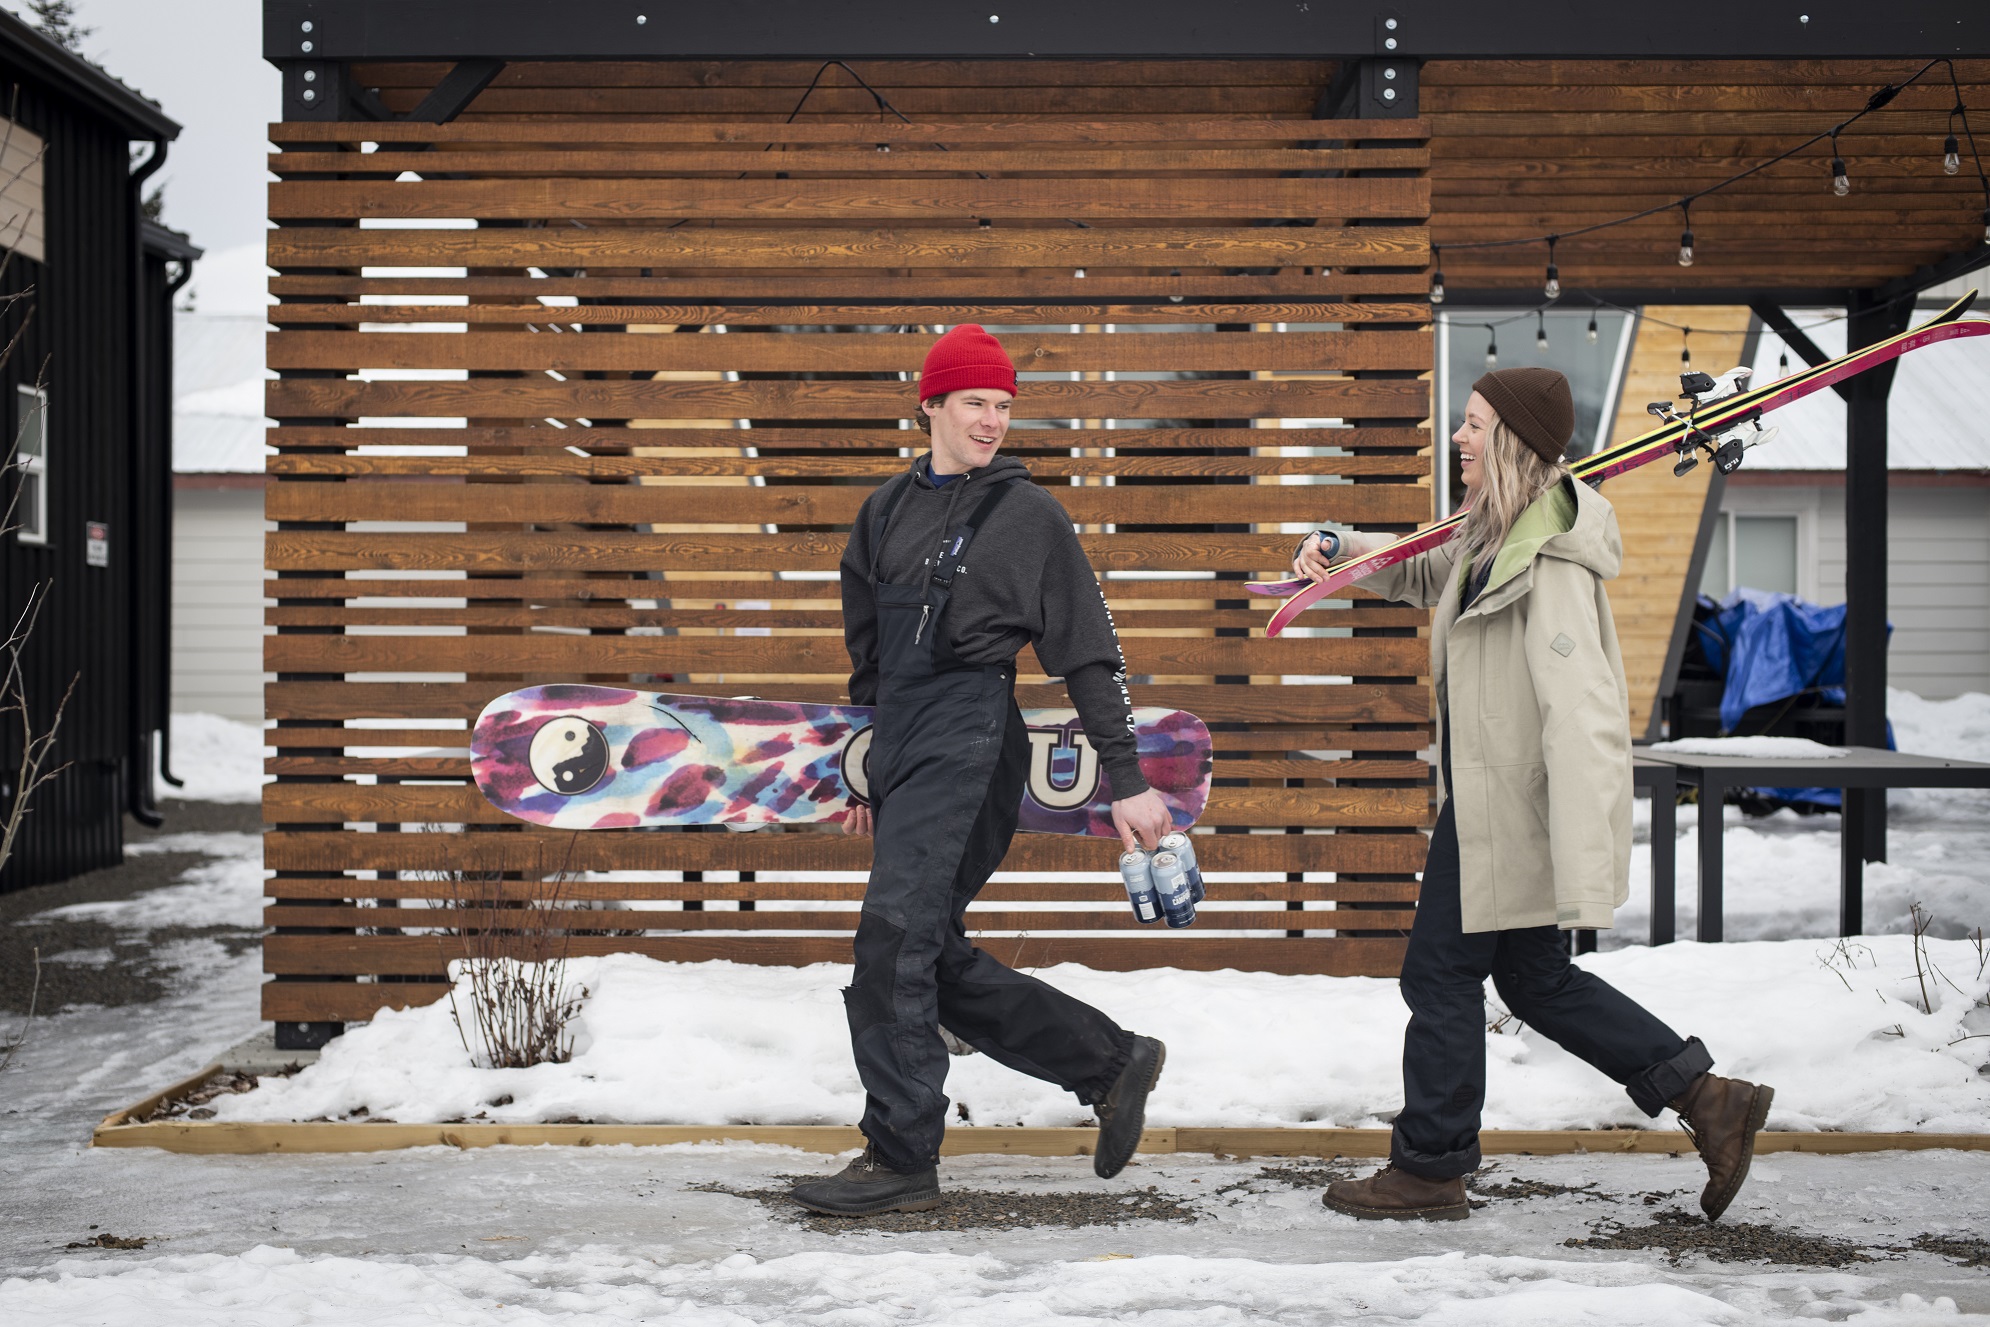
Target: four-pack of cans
[1166, 883]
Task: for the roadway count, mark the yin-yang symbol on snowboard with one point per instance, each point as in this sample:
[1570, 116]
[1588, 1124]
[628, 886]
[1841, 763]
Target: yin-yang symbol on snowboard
[569, 755]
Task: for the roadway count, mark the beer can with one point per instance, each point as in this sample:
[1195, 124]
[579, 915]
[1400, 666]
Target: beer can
[1136, 871]
[1177, 895]
[1178, 844]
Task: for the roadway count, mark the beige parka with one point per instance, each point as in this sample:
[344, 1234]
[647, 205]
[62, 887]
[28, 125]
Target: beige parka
[1538, 709]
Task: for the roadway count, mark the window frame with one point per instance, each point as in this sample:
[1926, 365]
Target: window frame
[31, 525]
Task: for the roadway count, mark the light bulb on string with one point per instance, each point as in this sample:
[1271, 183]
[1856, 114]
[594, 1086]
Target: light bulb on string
[1540, 330]
[1492, 349]
[1552, 287]
[1841, 183]
[1783, 364]
[1436, 275]
[1686, 236]
[1685, 348]
[1951, 155]
[1986, 225]
[1592, 329]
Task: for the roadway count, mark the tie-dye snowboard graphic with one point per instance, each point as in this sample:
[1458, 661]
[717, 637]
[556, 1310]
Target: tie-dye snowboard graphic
[584, 757]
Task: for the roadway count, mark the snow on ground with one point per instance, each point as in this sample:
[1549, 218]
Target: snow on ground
[1754, 748]
[220, 760]
[1842, 1036]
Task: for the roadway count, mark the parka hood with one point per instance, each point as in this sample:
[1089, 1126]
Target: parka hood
[1571, 521]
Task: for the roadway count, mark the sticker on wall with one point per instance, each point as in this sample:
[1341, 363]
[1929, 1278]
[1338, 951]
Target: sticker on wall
[97, 543]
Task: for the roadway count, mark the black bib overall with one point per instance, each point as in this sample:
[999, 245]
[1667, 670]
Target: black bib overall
[948, 762]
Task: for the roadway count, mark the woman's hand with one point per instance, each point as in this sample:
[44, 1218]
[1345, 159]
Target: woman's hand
[1312, 560]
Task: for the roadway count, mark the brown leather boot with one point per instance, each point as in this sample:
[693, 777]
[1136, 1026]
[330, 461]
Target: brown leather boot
[1721, 1116]
[1396, 1195]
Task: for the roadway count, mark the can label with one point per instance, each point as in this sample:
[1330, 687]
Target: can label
[1177, 895]
[1137, 873]
[1178, 843]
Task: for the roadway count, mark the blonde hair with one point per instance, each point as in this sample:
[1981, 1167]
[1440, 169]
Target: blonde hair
[1513, 477]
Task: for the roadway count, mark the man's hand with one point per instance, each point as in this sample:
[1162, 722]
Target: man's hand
[1145, 816]
[857, 820]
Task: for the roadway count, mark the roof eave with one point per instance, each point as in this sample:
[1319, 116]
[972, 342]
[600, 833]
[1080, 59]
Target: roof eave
[43, 59]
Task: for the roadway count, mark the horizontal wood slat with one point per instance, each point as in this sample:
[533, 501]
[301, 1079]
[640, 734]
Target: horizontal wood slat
[607, 480]
[531, 849]
[1353, 703]
[791, 654]
[844, 315]
[805, 200]
[821, 247]
[1114, 916]
[850, 352]
[796, 505]
[1045, 132]
[524, 398]
[1250, 807]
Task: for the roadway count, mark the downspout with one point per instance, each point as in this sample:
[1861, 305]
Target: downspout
[166, 543]
[138, 788]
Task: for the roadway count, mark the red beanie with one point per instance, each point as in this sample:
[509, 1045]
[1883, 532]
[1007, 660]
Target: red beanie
[965, 357]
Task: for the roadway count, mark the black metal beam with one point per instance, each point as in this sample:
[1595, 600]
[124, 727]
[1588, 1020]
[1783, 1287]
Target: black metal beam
[1962, 263]
[1793, 336]
[1015, 29]
[458, 88]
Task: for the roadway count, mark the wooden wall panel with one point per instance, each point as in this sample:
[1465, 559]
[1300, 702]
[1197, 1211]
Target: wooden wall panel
[1659, 515]
[589, 383]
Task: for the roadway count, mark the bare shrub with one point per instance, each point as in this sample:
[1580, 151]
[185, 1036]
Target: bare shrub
[515, 934]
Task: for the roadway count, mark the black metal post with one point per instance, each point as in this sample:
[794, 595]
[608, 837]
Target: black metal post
[1866, 562]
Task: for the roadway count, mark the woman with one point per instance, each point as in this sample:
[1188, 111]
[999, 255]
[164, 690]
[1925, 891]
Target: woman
[1534, 836]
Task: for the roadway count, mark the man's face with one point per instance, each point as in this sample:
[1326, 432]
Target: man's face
[968, 428]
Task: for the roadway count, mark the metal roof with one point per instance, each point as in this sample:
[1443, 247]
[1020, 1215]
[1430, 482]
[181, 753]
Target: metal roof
[44, 61]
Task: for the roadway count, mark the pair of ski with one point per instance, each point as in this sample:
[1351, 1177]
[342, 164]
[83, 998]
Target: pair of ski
[1721, 422]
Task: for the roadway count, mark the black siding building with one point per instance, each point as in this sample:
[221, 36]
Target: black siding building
[88, 389]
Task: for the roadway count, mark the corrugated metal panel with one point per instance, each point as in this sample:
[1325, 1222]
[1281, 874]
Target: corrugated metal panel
[1938, 415]
[218, 603]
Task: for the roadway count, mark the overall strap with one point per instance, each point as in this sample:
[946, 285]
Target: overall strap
[883, 518]
[947, 566]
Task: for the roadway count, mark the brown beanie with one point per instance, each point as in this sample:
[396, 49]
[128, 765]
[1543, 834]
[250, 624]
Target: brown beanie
[1535, 404]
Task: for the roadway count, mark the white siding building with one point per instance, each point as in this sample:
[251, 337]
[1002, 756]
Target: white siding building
[218, 515]
[1782, 522]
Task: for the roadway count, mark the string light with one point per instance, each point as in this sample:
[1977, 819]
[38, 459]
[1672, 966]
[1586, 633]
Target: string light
[1492, 348]
[1592, 329]
[1540, 330]
[1437, 275]
[1783, 364]
[1552, 288]
[1841, 182]
[1685, 348]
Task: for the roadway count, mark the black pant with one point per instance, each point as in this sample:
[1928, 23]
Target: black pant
[1444, 1050]
[916, 970]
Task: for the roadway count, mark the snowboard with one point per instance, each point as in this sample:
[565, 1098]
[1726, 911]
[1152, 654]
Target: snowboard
[590, 757]
[1721, 424]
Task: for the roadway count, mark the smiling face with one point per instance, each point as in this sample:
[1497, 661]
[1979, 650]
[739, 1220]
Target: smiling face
[1472, 438]
[968, 428]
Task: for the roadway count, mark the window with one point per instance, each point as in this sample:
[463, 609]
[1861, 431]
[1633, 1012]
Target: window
[1759, 552]
[31, 457]
[1595, 370]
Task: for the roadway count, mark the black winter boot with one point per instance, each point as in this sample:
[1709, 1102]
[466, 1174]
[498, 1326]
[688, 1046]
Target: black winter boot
[867, 1186]
[1123, 1113]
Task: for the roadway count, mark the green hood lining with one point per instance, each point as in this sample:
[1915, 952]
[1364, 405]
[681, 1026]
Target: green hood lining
[1551, 514]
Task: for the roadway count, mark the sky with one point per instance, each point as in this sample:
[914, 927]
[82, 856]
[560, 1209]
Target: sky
[200, 60]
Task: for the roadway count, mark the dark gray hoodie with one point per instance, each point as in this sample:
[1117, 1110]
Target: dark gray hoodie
[1025, 581]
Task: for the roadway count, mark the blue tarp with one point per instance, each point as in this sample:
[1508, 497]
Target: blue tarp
[1770, 647]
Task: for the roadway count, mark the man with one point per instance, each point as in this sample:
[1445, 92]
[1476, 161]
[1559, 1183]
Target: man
[950, 570]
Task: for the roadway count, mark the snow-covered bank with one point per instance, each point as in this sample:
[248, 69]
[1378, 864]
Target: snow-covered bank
[218, 759]
[903, 1287]
[1841, 1034]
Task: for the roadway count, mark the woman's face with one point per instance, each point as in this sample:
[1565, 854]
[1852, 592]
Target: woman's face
[1473, 437]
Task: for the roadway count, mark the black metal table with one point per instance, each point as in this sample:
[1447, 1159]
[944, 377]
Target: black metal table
[1861, 767]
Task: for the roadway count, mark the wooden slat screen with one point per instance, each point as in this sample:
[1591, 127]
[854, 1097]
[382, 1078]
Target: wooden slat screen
[620, 385]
